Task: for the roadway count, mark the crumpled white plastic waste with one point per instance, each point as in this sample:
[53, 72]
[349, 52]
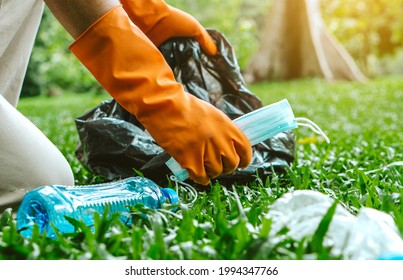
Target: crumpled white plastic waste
[371, 234]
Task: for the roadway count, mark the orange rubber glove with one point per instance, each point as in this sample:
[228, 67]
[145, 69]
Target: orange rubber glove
[160, 22]
[198, 136]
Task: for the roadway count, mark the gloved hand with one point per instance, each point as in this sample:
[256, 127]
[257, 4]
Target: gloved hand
[198, 136]
[160, 22]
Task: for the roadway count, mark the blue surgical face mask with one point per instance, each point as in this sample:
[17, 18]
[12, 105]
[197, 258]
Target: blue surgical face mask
[258, 126]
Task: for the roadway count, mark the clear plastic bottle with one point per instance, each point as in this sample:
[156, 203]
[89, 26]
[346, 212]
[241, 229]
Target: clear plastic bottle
[49, 204]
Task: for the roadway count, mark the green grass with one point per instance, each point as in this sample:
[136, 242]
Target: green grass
[363, 122]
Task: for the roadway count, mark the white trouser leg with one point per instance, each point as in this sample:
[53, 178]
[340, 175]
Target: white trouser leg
[28, 159]
[19, 22]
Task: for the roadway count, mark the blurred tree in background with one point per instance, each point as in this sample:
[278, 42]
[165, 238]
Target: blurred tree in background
[295, 44]
[370, 30]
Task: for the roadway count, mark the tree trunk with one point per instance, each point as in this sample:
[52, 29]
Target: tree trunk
[294, 44]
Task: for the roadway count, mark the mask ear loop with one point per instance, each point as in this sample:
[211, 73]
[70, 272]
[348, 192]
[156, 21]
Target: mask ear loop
[188, 188]
[313, 126]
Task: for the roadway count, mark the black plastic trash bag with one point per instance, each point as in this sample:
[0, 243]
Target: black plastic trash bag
[112, 143]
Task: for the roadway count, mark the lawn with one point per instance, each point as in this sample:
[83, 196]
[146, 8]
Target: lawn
[360, 167]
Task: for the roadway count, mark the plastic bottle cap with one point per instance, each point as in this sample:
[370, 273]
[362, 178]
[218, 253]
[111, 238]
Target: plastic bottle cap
[171, 195]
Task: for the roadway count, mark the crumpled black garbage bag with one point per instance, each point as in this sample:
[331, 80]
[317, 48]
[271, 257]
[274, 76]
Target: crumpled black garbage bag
[112, 143]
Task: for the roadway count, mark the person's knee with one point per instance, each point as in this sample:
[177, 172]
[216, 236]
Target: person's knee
[28, 158]
[19, 184]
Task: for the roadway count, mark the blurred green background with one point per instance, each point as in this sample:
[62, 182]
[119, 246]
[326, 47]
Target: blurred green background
[370, 30]
[361, 167]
